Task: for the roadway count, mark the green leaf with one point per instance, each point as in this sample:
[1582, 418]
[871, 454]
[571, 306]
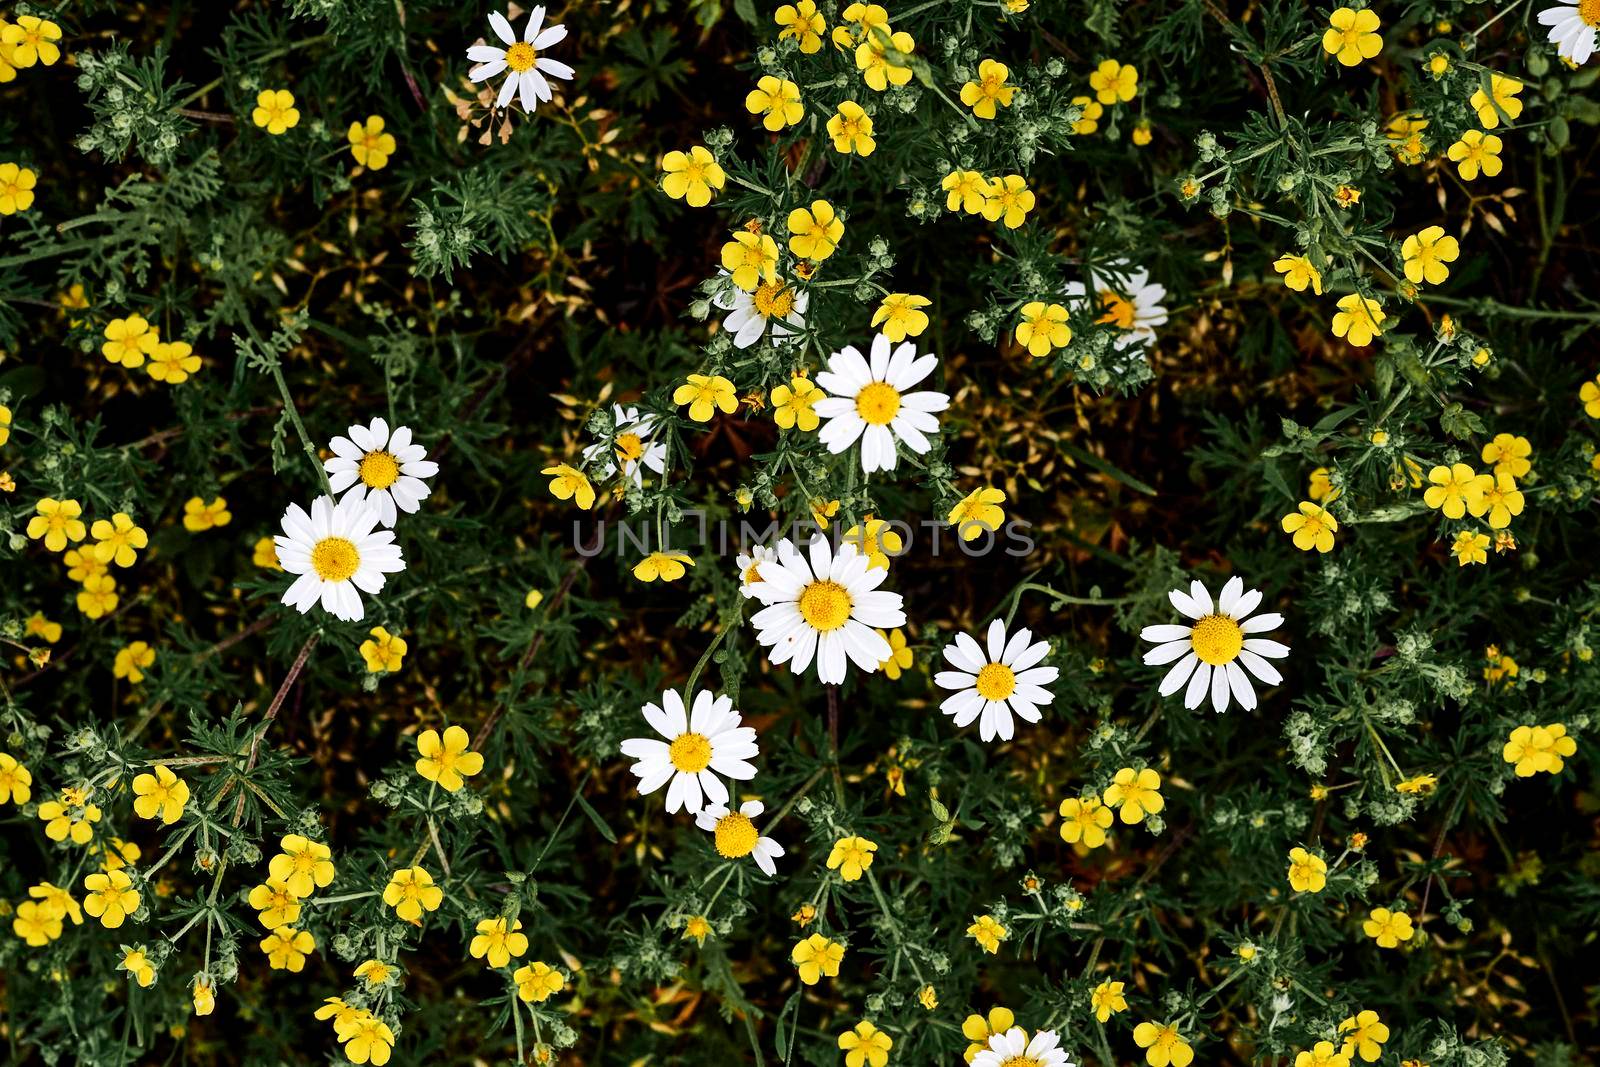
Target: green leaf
[594, 817]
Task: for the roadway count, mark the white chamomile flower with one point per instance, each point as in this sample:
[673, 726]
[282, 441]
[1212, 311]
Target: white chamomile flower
[998, 682]
[749, 573]
[1013, 1049]
[828, 609]
[737, 836]
[1216, 651]
[776, 307]
[527, 67]
[635, 447]
[335, 550]
[708, 739]
[1127, 299]
[384, 469]
[870, 402]
[1572, 28]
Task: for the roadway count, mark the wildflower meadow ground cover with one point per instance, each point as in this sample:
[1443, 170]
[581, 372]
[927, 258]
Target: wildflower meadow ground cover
[1026, 534]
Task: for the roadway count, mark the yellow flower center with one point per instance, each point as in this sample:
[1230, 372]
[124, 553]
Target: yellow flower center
[773, 300]
[996, 681]
[1217, 639]
[752, 574]
[629, 447]
[1020, 1061]
[878, 403]
[520, 56]
[694, 172]
[335, 559]
[736, 836]
[850, 128]
[379, 470]
[690, 753]
[1119, 310]
[825, 605]
[1589, 12]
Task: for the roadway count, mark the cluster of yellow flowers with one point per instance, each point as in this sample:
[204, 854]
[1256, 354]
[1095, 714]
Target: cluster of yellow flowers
[117, 541]
[130, 340]
[26, 41]
[370, 144]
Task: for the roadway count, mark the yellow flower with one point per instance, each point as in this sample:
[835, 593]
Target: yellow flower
[1426, 253]
[1456, 490]
[1502, 96]
[374, 973]
[1365, 1036]
[823, 511]
[851, 130]
[70, 816]
[1421, 785]
[706, 395]
[1322, 1054]
[118, 854]
[131, 660]
[276, 904]
[1307, 873]
[569, 483]
[369, 144]
[989, 90]
[29, 40]
[900, 316]
[1358, 320]
[1135, 793]
[866, 1044]
[1298, 273]
[74, 299]
[966, 191]
[137, 963]
[410, 892]
[1312, 527]
[815, 231]
[1388, 928]
[265, 554]
[1470, 547]
[1163, 1045]
[39, 626]
[1502, 500]
[1404, 131]
[885, 63]
[57, 522]
[16, 781]
[302, 865]
[383, 652]
[817, 957]
[899, 661]
[851, 856]
[447, 760]
[199, 516]
[5, 424]
[692, 176]
[978, 513]
[876, 540]
[979, 1029]
[160, 794]
[667, 566]
[1589, 394]
[1043, 328]
[538, 982]
[1085, 820]
[1439, 65]
[1477, 152]
[205, 999]
[1351, 36]
[1141, 133]
[778, 99]
[1538, 748]
[867, 19]
[16, 188]
[1347, 196]
[1088, 121]
[1107, 1000]
[366, 1039]
[110, 897]
[533, 599]
[928, 997]
[1321, 486]
[791, 404]
[83, 564]
[172, 362]
[98, 597]
[696, 928]
[275, 111]
[286, 948]
[987, 932]
[497, 943]
[750, 259]
[802, 22]
[1114, 82]
[1509, 454]
[117, 539]
[1008, 199]
[35, 925]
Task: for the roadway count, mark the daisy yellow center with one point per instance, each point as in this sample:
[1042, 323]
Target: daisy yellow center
[335, 559]
[1119, 310]
[379, 470]
[1020, 1061]
[773, 300]
[690, 753]
[878, 403]
[629, 447]
[825, 606]
[996, 681]
[520, 56]
[1589, 12]
[736, 836]
[1217, 639]
[752, 574]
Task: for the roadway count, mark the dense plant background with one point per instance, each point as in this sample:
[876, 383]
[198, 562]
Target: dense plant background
[504, 280]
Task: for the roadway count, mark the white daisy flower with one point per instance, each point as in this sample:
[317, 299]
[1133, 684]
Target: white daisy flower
[1012, 1049]
[635, 447]
[1216, 651]
[870, 402]
[737, 836]
[826, 609]
[335, 551]
[1128, 300]
[528, 68]
[709, 739]
[776, 304]
[1572, 28]
[384, 469]
[749, 575]
[997, 683]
